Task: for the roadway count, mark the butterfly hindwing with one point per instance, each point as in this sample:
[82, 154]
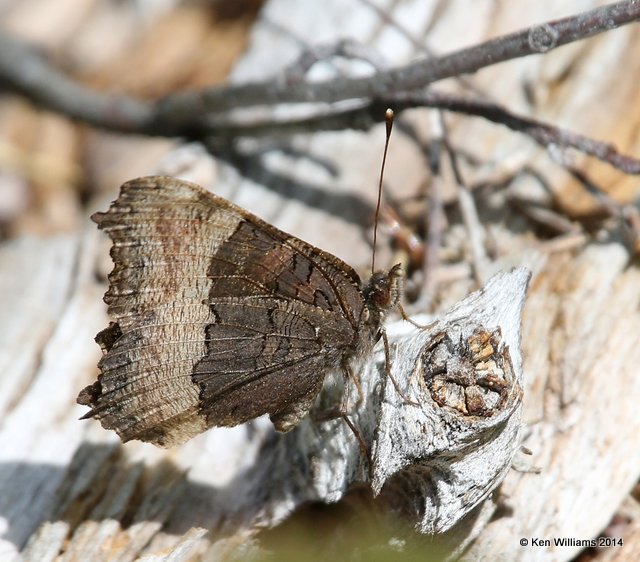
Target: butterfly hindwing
[218, 317]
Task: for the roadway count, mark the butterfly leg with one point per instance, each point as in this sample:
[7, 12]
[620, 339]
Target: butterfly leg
[361, 444]
[342, 412]
[349, 374]
[406, 318]
[387, 370]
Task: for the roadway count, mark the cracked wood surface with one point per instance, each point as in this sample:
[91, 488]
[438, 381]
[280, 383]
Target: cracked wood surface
[70, 486]
[69, 483]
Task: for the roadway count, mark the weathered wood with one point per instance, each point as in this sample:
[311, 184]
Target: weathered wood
[581, 344]
[89, 496]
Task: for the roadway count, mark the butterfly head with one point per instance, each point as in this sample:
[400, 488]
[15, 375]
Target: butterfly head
[384, 289]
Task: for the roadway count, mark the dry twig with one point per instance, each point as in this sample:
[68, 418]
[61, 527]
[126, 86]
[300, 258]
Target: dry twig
[205, 113]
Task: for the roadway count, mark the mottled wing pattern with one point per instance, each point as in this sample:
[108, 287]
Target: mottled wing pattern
[218, 316]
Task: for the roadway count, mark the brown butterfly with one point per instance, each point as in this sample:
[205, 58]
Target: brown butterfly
[219, 317]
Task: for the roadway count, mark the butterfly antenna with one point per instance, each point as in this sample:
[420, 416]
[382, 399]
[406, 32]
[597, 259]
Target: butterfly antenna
[388, 118]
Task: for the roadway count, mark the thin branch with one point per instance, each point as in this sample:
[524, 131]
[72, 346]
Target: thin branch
[181, 114]
[345, 48]
[366, 115]
[25, 71]
[543, 133]
[436, 216]
[187, 107]
[469, 213]
[418, 44]
[626, 214]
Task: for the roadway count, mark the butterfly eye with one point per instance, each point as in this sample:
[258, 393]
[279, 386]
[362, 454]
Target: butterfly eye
[381, 296]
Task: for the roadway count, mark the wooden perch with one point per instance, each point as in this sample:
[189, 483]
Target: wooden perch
[69, 485]
[430, 452]
[424, 443]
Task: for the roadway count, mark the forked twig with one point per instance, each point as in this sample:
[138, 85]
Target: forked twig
[202, 114]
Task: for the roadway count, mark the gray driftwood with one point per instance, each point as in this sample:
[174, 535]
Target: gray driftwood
[446, 461]
[66, 487]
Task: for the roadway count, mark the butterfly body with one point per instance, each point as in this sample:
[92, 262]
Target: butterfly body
[219, 317]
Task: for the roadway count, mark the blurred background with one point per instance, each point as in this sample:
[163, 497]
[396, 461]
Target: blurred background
[69, 487]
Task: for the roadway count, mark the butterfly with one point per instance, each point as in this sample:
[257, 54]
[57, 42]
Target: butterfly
[219, 317]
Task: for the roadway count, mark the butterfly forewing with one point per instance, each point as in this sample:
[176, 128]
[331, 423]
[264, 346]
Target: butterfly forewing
[218, 317]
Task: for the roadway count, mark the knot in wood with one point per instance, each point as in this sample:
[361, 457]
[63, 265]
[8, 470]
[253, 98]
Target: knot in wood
[472, 375]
